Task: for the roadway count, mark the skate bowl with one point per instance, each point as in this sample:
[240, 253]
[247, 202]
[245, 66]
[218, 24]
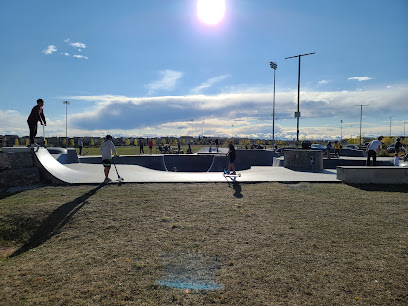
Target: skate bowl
[175, 162]
[154, 169]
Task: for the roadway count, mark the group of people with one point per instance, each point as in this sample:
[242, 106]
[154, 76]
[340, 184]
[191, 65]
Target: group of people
[337, 146]
[374, 148]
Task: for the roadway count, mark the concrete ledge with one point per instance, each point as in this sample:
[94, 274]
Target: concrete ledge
[373, 175]
[306, 160]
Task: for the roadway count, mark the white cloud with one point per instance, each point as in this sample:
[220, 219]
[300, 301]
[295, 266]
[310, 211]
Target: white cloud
[249, 111]
[167, 81]
[80, 56]
[254, 109]
[360, 79]
[66, 54]
[78, 45]
[210, 82]
[50, 49]
[323, 82]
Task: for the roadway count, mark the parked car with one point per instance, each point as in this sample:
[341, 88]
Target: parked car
[391, 148]
[365, 146]
[280, 151]
[317, 146]
[351, 147]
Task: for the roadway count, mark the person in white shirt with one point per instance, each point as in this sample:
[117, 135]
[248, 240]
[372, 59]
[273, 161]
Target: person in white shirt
[107, 147]
[373, 149]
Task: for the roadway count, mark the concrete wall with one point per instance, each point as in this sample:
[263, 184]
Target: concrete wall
[17, 169]
[306, 160]
[373, 175]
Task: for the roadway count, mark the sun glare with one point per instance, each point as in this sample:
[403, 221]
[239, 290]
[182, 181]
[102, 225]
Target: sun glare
[210, 11]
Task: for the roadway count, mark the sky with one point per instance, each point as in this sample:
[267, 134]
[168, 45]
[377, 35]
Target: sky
[159, 68]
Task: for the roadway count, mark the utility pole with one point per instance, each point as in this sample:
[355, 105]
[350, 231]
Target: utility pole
[66, 122]
[297, 114]
[274, 66]
[390, 125]
[361, 118]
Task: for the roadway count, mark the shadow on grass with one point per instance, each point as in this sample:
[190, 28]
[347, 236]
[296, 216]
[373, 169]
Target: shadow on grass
[388, 188]
[237, 189]
[55, 221]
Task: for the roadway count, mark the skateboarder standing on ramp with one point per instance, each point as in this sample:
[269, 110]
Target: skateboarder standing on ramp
[107, 147]
[36, 115]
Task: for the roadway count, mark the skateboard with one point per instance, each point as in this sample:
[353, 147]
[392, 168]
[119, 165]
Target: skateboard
[232, 175]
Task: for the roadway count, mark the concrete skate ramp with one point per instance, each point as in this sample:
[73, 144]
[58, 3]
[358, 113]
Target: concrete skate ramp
[188, 163]
[54, 171]
[181, 163]
[154, 162]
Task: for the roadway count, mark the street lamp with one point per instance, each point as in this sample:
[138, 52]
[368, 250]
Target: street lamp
[341, 130]
[274, 66]
[66, 122]
[361, 118]
[297, 114]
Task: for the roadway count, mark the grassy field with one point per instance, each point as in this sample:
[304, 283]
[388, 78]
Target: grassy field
[260, 244]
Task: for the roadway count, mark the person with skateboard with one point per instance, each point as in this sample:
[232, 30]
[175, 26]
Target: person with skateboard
[107, 147]
[37, 114]
[232, 156]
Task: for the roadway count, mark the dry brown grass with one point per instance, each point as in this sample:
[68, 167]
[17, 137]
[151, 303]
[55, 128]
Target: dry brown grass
[300, 244]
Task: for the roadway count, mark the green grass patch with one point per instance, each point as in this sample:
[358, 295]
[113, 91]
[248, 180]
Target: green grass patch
[313, 244]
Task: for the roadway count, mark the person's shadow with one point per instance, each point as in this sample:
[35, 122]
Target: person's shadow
[55, 221]
[237, 190]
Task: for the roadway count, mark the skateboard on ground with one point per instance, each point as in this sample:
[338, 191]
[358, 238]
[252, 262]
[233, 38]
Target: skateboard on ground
[232, 175]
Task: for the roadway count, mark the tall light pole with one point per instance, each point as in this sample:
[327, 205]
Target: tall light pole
[203, 129]
[297, 114]
[361, 118]
[66, 122]
[390, 125]
[274, 66]
[232, 130]
[192, 128]
[341, 130]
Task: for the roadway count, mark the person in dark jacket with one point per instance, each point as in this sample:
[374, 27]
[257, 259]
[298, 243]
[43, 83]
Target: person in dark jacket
[37, 114]
[232, 156]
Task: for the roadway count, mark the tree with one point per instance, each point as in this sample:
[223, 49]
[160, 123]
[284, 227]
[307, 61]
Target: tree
[16, 142]
[127, 142]
[27, 142]
[91, 142]
[387, 141]
[71, 142]
[135, 142]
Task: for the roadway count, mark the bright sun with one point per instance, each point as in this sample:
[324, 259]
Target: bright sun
[210, 11]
